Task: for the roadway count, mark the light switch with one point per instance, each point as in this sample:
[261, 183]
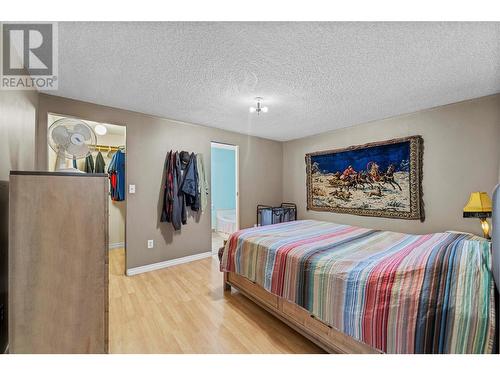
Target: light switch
[131, 189]
[151, 244]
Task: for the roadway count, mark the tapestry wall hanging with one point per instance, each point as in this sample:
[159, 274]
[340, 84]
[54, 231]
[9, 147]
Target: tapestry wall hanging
[382, 179]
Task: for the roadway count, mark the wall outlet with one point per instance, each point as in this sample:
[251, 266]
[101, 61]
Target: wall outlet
[131, 189]
[151, 244]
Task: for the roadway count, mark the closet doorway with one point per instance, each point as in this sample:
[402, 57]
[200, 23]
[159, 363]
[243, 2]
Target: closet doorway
[110, 141]
[224, 193]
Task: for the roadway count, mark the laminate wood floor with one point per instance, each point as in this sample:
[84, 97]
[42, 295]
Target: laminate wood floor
[183, 309]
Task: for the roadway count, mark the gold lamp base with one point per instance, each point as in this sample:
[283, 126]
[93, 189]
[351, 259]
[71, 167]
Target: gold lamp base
[486, 228]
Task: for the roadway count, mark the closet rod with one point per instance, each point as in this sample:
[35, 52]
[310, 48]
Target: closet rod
[105, 148]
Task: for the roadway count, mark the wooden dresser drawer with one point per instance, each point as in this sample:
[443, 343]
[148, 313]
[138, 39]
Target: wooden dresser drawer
[348, 344]
[305, 319]
[318, 327]
[294, 312]
[256, 290]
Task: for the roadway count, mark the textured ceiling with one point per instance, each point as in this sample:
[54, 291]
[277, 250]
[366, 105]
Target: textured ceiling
[314, 77]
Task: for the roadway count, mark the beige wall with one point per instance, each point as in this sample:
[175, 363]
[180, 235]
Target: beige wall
[461, 154]
[17, 151]
[17, 131]
[148, 140]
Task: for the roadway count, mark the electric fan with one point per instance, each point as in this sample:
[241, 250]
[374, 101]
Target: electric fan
[70, 139]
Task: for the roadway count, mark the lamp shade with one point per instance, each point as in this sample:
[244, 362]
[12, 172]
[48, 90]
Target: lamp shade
[479, 205]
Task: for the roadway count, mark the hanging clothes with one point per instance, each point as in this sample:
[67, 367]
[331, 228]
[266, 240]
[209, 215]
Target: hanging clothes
[179, 199]
[189, 185]
[116, 172]
[89, 164]
[174, 209]
[202, 182]
[182, 187]
[100, 164]
[167, 208]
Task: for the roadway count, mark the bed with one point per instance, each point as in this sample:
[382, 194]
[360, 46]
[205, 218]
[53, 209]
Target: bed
[358, 290]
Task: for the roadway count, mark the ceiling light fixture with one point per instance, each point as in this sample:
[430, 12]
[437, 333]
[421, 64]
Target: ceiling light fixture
[259, 107]
[100, 129]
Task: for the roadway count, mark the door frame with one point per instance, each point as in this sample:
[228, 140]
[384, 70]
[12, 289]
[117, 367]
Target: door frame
[46, 125]
[236, 149]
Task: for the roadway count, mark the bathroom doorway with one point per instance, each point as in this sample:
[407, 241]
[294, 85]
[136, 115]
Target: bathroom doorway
[224, 193]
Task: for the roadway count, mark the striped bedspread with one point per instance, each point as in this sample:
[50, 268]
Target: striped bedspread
[399, 293]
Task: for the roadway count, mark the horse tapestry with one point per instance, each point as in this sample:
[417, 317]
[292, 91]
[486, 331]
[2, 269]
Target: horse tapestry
[382, 179]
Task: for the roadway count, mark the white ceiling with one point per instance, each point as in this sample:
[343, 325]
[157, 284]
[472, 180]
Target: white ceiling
[314, 77]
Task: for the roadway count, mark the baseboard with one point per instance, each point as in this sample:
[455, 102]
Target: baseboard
[116, 245]
[167, 263]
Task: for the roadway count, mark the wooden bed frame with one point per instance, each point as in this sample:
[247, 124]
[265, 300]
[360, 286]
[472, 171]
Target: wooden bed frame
[301, 320]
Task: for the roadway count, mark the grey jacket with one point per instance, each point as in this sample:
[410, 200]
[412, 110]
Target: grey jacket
[100, 164]
[189, 185]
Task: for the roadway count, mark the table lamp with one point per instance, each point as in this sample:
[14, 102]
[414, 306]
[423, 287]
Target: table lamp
[479, 206]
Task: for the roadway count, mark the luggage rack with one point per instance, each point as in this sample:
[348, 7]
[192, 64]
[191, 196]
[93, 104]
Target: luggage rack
[267, 215]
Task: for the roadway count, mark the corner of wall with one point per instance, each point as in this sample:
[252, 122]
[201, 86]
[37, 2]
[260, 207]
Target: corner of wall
[18, 118]
[282, 145]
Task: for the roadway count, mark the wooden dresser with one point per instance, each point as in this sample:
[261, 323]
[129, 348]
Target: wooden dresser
[58, 263]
